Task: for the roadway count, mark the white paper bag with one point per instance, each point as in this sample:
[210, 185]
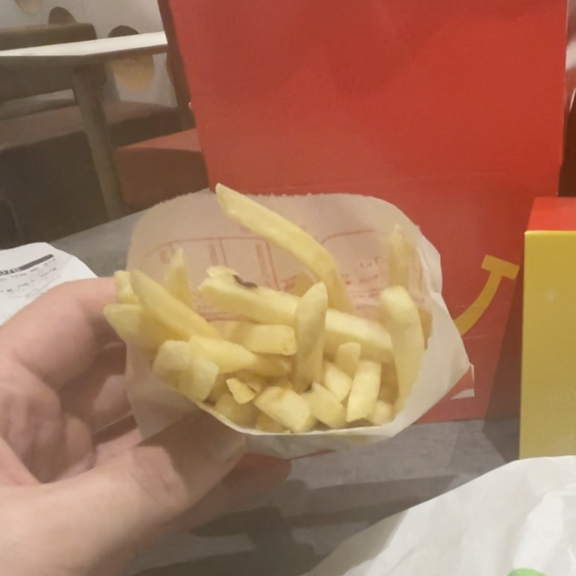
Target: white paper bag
[519, 520]
[355, 230]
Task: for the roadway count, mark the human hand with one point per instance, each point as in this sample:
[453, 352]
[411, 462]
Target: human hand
[79, 495]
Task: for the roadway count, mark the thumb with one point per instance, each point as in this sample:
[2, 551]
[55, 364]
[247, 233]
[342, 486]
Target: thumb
[134, 497]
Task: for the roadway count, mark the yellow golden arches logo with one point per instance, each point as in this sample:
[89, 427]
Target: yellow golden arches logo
[498, 269]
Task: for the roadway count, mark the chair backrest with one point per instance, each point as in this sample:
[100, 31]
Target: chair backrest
[176, 67]
[24, 82]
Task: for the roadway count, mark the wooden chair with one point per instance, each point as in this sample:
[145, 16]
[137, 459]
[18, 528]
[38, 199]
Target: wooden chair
[43, 149]
[167, 166]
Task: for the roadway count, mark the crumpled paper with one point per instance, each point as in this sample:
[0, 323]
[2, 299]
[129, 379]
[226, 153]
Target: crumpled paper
[519, 520]
[355, 230]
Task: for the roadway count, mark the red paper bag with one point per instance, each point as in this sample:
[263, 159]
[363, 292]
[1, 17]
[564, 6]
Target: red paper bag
[452, 110]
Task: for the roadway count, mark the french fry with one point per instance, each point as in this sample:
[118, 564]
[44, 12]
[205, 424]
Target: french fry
[173, 357]
[242, 414]
[287, 408]
[282, 382]
[383, 413]
[388, 394]
[136, 326]
[198, 380]
[216, 271]
[269, 306]
[124, 289]
[364, 393]
[230, 357]
[337, 381]
[265, 424]
[231, 294]
[241, 392]
[325, 407]
[254, 381]
[309, 327]
[220, 387]
[291, 238]
[168, 310]
[259, 338]
[372, 336]
[401, 315]
[400, 253]
[388, 384]
[348, 357]
[176, 279]
[389, 377]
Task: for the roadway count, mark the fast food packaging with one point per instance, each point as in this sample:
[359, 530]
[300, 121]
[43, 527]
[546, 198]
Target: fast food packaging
[354, 229]
[548, 359]
[519, 520]
[452, 110]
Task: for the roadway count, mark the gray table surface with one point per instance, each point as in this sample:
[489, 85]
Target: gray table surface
[327, 498]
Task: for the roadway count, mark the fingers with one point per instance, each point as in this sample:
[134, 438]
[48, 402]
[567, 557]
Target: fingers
[12, 471]
[99, 396]
[137, 495]
[116, 439]
[58, 336]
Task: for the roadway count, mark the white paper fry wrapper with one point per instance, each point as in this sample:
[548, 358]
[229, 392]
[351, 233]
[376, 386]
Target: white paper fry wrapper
[355, 230]
[519, 520]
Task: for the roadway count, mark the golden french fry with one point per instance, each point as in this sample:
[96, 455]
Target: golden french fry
[371, 335]
[231, 294]
[309, 328]
[291, 238]
[388, 395]
[254, 381]
[272, 307]
[124, 288]
[401, 315]
[220, 387]
[389, 377]
[230, 357]
[302, 285]
[364, 393]
[265, 424]
[348, 357]
[259, 338]
[383, 413]
[337, 381]
[198, 381]
[242, 414]
[388, 384]
[241, 392]
[287, 408]
[173, 357]
[136, 326]
[282, 382]
[325, 407]
[176, 279]
[216, 271]
[168, 310]
[400, 253]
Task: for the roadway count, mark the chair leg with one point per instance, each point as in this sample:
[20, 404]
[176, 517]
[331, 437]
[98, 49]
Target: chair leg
[10, 232]
[89, 100]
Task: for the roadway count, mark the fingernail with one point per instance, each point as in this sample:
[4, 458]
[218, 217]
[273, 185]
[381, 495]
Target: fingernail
[220, 442]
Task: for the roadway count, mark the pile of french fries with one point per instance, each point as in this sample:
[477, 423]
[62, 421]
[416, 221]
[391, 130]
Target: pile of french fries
[284, 362]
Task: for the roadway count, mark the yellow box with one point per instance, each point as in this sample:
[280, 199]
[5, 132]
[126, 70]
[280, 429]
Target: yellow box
[548, 407]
